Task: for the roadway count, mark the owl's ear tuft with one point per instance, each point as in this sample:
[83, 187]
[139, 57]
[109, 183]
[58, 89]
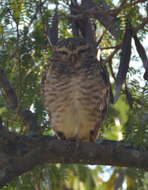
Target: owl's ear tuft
[53, 30]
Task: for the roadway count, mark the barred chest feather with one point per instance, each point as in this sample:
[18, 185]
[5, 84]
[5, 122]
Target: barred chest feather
[77, 102]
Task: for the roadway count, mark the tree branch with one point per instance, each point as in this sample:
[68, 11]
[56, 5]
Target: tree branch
[109, 58]
[102, 13]
[141, 26]
[105, 15]
[34, 16]
[28, 118]
[27, 152]
[117, 10]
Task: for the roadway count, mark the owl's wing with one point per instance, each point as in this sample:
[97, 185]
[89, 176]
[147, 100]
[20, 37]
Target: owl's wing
[104, 94]
[47, 69]
[105, 76]
[45, 75]
[43, 81]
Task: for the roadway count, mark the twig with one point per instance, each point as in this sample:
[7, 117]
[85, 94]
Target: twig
[120, 179]
[91, 11]
[141, 26]
[134, 30]
[111, 70]
[10, 94]
[109, 58]
[117, 10]
[128, 95]
[34, 17]
[28, 118]
[111, 47]
[100, 39]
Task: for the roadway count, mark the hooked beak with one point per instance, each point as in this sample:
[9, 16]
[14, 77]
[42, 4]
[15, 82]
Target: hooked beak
[73, 58]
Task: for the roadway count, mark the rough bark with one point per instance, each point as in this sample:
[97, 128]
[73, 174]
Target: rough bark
[19, 154]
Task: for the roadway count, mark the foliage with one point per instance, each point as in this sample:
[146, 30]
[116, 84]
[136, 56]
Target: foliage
[25, 50]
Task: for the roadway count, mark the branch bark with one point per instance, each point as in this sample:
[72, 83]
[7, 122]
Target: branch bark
[19, 154]
[105, 15]
[100, 11]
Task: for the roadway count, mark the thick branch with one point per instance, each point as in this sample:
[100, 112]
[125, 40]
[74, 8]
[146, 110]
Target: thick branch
[27, 152]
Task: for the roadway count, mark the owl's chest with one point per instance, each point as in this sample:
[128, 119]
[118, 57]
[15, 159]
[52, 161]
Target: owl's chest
[76, 89]
[75, 102]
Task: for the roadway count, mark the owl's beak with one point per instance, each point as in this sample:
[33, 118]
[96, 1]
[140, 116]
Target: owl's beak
[73, 58]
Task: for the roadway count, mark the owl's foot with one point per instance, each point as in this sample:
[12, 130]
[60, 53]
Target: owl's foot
[60, 135]
[92, 137]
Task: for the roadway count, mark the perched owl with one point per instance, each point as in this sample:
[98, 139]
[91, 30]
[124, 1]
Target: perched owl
[76, 90]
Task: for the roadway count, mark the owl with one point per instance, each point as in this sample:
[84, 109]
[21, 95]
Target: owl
[76, 90]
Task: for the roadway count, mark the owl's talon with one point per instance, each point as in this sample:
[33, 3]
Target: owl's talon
[60, 135]
[92, 136]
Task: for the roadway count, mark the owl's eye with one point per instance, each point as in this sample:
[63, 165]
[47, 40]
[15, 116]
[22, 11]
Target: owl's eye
[63, 52]
[83, 51]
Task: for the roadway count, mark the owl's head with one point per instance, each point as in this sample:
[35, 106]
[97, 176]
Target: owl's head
[73, 50]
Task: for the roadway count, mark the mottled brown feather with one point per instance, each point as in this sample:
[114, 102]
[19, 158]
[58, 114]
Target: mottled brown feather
[76, 90]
